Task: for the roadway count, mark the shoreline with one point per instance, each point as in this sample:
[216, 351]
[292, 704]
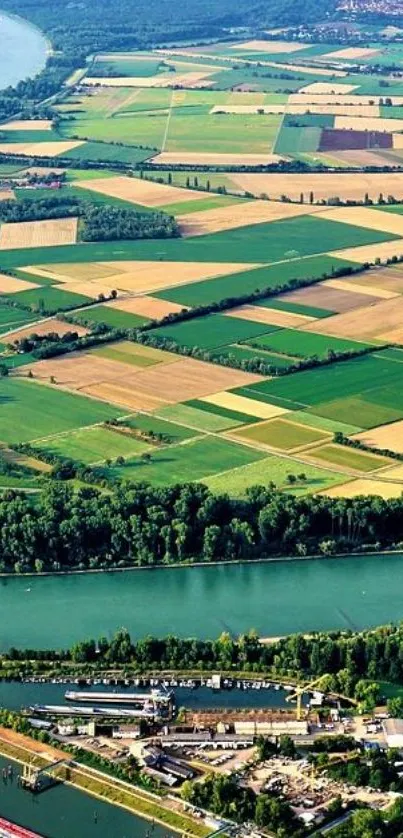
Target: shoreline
[185, 565]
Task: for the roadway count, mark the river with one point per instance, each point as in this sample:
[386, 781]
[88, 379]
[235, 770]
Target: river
[65, 812]
[274, 598]
[23, 52]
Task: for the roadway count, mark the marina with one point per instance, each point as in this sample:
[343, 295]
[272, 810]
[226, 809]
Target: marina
[339, 593]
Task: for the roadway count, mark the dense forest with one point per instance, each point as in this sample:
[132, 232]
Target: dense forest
[98, 222]
[140, 525]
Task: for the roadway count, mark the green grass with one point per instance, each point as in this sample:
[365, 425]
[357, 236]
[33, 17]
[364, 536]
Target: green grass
[280, 433]
[104, 152]
[274, 469]
[306, 344]
[249, 393]
[246, 282]
[337, 381]
[211, 202]
[111, 316]
[135, 67]
[233, 416]
[82, 194]
[357, 410]
[30, 411]
[176, 432]
[244, 353]
[196, 418]
[49, 299]
[189, 462]
[211, 331]
[325, 424]
[344, 456]
[26, 136]
[94, 445]
[268, 242]
[296, 140]
[10, 316]
[222, 133]
[296, 308]
[134, 129]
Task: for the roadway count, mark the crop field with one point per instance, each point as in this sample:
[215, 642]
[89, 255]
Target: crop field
[94, 445]
[282, 434]
[271, 317]
[239, 215]
[30, 411]
[113, 317]
[144, 306]
[210, 332]
[340, 455]
[386, 436]
[359, 410]
[246, 282]
[244, 403]
[190, 462]
[134, 354]
[351, 186]
[305, 344]
[275, 469]
[38, 233]
[382, 321]
[199, 419]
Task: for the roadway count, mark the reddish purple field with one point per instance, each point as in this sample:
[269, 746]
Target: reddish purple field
[338, 139]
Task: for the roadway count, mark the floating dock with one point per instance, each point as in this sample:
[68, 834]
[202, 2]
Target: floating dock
[11, 830]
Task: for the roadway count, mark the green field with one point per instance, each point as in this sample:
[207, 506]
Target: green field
[244, 353]
[336, 381]
[173, 431]
[189, 462]
[210, 332]
[280, 433]
[272, 277]
[325, 424]
[234, 416]
[30, 411]
[274, 469]
[10, 317]
[268, 242]
[197, 418]
[359, 411]
[342, 455]
[281, 304]
[210, 202]
[306, 344]
[221, 133]
[111, 316]
[49, 299]
[94, 445]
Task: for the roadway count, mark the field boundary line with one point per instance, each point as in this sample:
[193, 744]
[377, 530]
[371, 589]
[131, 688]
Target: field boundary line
[165, 137]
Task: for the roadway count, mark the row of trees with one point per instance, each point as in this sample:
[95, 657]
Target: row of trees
[140, 525]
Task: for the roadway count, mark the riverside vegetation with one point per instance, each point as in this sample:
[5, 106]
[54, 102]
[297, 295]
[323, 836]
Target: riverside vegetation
[137, 525]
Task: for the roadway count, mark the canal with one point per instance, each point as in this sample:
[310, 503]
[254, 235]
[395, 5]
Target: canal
[23, 50]
[65, 812]
[274, 598]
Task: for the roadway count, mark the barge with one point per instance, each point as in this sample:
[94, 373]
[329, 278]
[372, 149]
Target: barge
[12, 830]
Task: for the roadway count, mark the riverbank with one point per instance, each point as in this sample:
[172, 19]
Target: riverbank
[24, 750]
[190, 564]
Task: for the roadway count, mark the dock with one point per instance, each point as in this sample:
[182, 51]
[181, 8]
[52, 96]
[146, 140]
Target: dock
[105, 712]
[154, 697]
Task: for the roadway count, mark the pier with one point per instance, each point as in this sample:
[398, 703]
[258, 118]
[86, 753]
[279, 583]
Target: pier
[38, 779]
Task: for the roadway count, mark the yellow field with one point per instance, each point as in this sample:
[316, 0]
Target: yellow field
[27, 125]
[45, 149]
[333, 99]
[393, 473]
[397, 140]
[370, 252]
[386, 436]
[346, 285]
[328, 87]
[357, 123]
[351, 186]
[89, 289]
[370, 321]
[381, 279]
[365, 487]
[71, 271]
[271, 46]
[247, 109]
[275, 317]
[147, 307]
[245, 405]
[373, 219]
[336, 108]
[11, 285]
[190, 80]
[240, 215]
[38, 233]
[349, 54]
[171, 158]
[139, 191]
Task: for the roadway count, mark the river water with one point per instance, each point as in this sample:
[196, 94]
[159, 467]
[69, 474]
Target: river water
[23, 50]
[274, 598]
[65, 812]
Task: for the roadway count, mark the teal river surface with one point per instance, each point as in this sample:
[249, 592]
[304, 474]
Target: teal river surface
[23, 50]
[274, 598]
